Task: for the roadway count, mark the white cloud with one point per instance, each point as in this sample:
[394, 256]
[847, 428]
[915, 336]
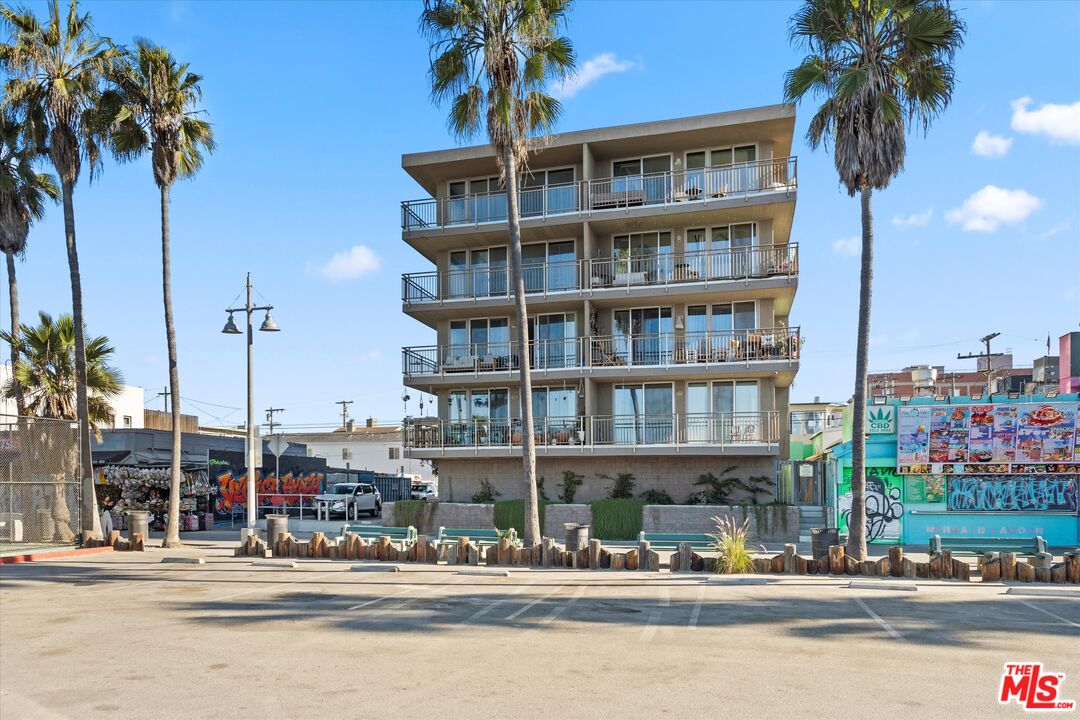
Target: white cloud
[589, 72]
[847, 246]
[350, 264]
[916, 220]
[992, 207]
[989, 145]
[1060, 122]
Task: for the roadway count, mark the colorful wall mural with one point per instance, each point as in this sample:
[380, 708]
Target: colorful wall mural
[1012, 494]
[884, 504]
[300, 476]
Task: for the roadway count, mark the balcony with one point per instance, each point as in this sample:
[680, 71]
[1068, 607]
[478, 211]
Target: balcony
[739, 431]
[482, 283]
[662, 350]
[698, 185]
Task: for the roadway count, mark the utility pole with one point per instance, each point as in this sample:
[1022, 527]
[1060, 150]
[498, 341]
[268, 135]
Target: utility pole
[165, 394]
[989, 357]
[270, 416]
[344, 412]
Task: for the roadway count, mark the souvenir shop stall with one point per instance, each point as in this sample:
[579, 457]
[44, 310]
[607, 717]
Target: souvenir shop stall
[139, 483]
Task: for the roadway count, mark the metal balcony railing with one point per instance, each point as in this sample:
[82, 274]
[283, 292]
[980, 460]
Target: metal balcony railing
[663, 188]
[758, 261]
[638, 350]
[667, 430]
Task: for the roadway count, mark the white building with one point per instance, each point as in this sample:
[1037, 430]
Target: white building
[127, 406]
[372, 447]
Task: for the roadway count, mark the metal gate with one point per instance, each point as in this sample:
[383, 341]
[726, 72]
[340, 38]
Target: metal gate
[40, 492]
[800, 482]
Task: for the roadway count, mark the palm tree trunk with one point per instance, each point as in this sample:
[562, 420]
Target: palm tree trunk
[172, 525]
[856, 545]
[13, 299]
[89, 522]
[528, 437]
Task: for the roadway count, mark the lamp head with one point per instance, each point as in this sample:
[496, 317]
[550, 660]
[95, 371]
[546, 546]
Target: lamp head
[230, 326]
[268, 324]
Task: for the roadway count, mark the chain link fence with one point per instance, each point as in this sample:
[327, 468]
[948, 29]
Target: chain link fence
[40, 493]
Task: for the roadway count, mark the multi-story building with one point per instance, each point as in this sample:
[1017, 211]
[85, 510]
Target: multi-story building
[660, 273]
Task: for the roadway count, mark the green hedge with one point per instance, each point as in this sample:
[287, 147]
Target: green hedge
[616, 519]
[511, 514]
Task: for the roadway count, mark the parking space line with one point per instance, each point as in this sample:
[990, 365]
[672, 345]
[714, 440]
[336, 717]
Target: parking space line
[485, 610]
[880, 621]
[366, 603]
[654, 618]
[1033, 606]
[422, 590]
[533, 603]
[562, 608]
[697, 607]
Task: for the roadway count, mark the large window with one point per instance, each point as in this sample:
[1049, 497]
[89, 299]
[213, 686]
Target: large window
[481, 340]
[647, 177]
[722, 411]
[555, 410]
[555, 343]
[549, 267]
[476, 200]
[718, 332]
[477, 273]
[723, 251]
[643, 336]
[478, 417]
[642, 257]
[643, 414]
[547, 192]
[719, 171]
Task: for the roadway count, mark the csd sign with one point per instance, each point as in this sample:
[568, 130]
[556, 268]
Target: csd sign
[881, 420]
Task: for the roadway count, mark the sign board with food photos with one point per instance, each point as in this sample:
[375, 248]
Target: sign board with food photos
[998, 439]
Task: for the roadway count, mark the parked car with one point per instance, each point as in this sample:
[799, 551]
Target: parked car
[424, 491]
[364, 497]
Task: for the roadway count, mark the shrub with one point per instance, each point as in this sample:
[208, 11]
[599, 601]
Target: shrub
[657, 497]
[417, 513]
[541, 493]
[511, 514]
[618, 519]
[486, 494]
[718, 489]
[730, 543]
[623, 489]
[757, 485]
[571, 481]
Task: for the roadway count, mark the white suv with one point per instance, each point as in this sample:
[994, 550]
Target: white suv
[343, 498]
[424, 491]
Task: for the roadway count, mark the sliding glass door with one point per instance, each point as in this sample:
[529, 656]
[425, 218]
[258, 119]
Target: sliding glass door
[554, 341]
[722, 411]
[644, 414]
[643, 180]
[642, 257]
[643, 336]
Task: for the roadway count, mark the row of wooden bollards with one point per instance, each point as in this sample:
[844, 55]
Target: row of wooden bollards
[118, 543]
[1005, 566]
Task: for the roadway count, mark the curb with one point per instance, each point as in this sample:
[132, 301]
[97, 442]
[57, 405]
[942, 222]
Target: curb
[49, 555]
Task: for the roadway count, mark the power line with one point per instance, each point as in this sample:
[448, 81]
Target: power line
[344, 412]
[270, 416]
[989, 356]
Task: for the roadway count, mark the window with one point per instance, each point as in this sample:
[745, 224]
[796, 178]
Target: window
[642, 257]
[547, 192]
[549, 267]
[476, 200]
[726, 171]
[127, 421]
[643, 414]
[647, 177]
[643, 336]
[722, 411]
[482, 340]
[723, 251]
[554, 341]
[395, 453]
[555, 409]
[478, 417]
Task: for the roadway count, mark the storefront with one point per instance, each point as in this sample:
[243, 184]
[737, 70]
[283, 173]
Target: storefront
[960, 467]
[132, 482]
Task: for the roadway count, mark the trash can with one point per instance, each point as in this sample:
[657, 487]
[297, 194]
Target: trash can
[275, 525]
[138, 523]
[821, 539]
[577, 536]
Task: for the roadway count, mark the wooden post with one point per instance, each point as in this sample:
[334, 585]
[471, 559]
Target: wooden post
[1072, 567]
[630, 559]
[1025, 572]
[1057, 572]
[643, 552]
[777, 564]
[618, 561]
[896, 561]
[790, 553]
[684, 557]
[836, 559]
[883, 567]
[463, 550]
[548, 551]
[923, 569]
[1008, 566]
[473, 555]
[594, 554]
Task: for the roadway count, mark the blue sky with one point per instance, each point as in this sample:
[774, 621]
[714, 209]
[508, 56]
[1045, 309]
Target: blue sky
[313, 105]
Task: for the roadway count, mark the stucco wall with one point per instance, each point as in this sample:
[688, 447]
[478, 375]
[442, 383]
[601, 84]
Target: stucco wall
[768, 523]
[460, 478]
[555, 516]
[451, 515]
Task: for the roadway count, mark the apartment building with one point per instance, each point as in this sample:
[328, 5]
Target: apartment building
[660, 273]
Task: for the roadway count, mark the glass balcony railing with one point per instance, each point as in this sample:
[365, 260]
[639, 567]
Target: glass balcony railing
[757, 261]
[670, 430]
[697, 185]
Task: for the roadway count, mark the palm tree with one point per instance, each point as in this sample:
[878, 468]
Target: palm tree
[23, 194]
[55, 72]
[151, 107]
[879, 65]
[491, 59]
[47, 378]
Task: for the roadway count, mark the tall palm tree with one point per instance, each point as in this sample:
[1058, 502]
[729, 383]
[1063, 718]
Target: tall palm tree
[55, 70]
[23, 196]
[878, 65]
[152, 107]
[492, 59]
[47, 379]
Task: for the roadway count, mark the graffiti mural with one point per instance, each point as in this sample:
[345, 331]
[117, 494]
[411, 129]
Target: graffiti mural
[296, 487]
[884, 504]
[1012, 494]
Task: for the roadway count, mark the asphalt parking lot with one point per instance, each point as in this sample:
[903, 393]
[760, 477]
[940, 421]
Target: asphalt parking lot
[122, 635]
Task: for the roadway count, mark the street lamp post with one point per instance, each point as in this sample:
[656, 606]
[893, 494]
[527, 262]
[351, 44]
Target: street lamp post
[268, 325]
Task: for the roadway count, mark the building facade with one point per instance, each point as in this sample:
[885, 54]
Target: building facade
[126, 405]
[371, 447]
[660, 273]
